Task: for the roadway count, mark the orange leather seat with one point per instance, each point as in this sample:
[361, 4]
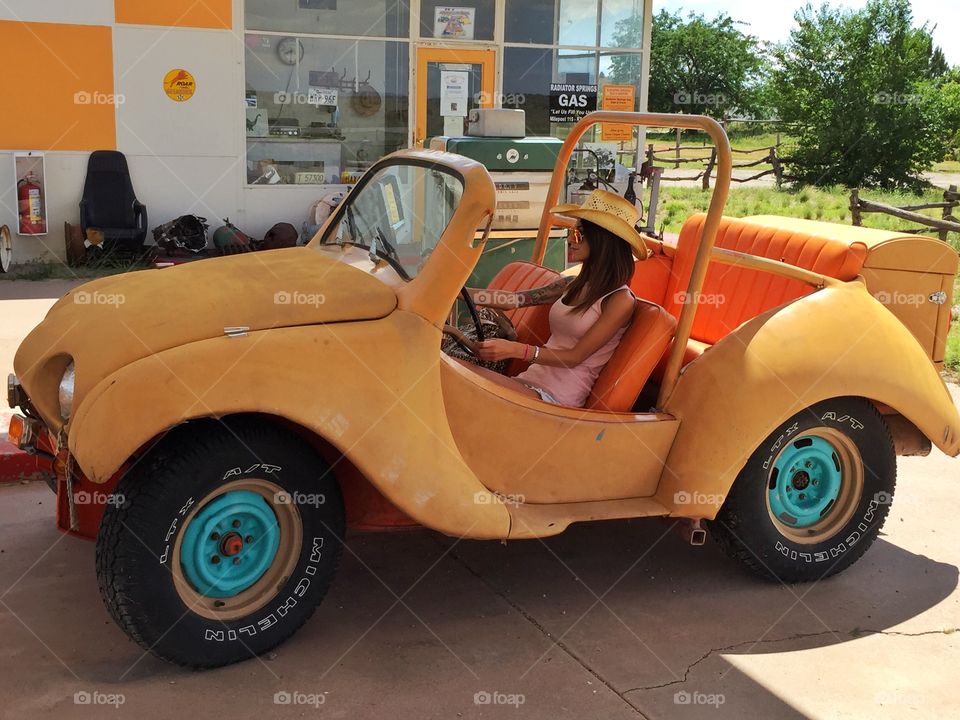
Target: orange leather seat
[533, 322]
[733, 295]
[621, 380]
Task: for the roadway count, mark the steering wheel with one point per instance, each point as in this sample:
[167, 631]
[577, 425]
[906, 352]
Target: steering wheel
[475, 316]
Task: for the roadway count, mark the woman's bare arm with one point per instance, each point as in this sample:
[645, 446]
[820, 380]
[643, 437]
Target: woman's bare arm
[616, 312]
[507, 300]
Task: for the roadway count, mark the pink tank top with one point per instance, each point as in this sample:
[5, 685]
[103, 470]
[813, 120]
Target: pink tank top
[571, 386]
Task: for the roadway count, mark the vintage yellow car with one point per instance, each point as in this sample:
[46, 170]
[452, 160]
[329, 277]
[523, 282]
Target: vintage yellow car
[217, 427]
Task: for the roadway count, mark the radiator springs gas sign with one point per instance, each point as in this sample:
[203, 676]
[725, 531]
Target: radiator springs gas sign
[570, 102]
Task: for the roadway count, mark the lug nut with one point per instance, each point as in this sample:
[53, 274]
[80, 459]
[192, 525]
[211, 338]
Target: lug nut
[236, 523]
[803, 496]
[248, 539]
[215, 559]
[214, 536]
[236, 561]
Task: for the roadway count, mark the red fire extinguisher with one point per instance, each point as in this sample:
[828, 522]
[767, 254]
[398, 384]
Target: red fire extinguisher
[30, 197]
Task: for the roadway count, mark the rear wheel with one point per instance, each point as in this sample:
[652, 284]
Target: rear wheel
[814, 495]
[224, 542]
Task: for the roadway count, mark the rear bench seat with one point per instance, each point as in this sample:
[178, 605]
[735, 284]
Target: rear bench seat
[733, 295]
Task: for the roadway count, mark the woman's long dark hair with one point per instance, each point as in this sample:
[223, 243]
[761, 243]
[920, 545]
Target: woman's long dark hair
[609, 266]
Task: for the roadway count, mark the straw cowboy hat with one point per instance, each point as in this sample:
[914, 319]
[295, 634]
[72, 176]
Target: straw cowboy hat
[613, 213]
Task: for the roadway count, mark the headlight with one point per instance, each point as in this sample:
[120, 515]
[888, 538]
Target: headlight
[66, 392]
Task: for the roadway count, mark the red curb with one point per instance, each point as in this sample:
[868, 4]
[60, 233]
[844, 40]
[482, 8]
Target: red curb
[16, 466]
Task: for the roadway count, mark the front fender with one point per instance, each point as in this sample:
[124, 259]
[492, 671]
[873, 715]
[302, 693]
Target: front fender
[372, 389]
[839, 341]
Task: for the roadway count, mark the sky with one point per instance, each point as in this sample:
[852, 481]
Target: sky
[773, 19]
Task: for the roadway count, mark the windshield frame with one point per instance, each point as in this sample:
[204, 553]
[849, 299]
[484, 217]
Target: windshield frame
[337, 216]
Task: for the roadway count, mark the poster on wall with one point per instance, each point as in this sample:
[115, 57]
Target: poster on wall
[454, 86]
[618, 98]
[570, 102]
[453, 23]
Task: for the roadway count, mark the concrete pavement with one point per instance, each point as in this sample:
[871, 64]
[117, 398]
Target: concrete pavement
[610, 620]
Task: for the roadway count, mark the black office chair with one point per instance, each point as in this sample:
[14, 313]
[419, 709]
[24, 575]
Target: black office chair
[110, 206]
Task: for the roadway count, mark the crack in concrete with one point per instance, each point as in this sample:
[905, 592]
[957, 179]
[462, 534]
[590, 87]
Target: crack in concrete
[853, 634]
[547, 634]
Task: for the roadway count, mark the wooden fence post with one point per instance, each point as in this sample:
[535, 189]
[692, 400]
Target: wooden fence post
[855, 208]
[679, 138]
[707, 176]
[777, 166]
[948, 197]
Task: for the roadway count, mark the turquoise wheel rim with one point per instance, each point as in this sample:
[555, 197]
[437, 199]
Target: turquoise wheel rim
[814, 485]
[229, 544]
[239, 546]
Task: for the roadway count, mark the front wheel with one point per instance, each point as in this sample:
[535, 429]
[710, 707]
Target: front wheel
[225, 540]
[814, 495]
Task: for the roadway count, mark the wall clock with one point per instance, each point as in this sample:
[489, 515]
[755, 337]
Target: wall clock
[290, 50]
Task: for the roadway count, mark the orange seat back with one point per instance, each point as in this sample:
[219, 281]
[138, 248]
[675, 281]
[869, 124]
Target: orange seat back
[733, 295]
[623, 377]
[532, 322]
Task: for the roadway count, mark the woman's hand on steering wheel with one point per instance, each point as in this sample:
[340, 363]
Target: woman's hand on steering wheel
[499, 349]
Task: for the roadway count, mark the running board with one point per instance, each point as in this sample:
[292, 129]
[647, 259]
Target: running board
[528, 520]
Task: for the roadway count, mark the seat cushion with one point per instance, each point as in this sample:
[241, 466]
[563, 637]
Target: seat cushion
[643, 344]
[532, 323]
[733, 295]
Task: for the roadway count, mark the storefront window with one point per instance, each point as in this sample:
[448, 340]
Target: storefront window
[322, 110]
[621, 69]
[374, 18]
[457, 22]
[530, 21]
[622, 24]
[578, 22]
[529, 88]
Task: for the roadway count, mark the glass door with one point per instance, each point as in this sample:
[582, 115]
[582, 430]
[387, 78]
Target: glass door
[450, 82]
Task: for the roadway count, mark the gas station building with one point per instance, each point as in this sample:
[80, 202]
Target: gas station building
[252, 109]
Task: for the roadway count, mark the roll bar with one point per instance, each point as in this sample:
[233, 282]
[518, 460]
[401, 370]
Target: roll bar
[710, 227]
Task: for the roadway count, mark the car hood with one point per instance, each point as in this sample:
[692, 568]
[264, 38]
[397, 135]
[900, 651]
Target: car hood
[108, 323]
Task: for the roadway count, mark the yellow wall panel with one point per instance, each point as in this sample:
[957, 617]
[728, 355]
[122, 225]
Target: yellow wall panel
[58, 89]
[176, 13]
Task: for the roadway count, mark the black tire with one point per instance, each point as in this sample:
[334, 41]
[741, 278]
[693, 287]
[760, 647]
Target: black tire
[746, 528]
[159, 497]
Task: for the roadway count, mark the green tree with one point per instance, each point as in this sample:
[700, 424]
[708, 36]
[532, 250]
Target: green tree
[696, 65]
[860, 89]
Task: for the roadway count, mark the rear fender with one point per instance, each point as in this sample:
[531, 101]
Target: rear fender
[838, 341]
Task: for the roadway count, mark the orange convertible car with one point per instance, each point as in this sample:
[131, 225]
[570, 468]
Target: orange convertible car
[218, 443]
